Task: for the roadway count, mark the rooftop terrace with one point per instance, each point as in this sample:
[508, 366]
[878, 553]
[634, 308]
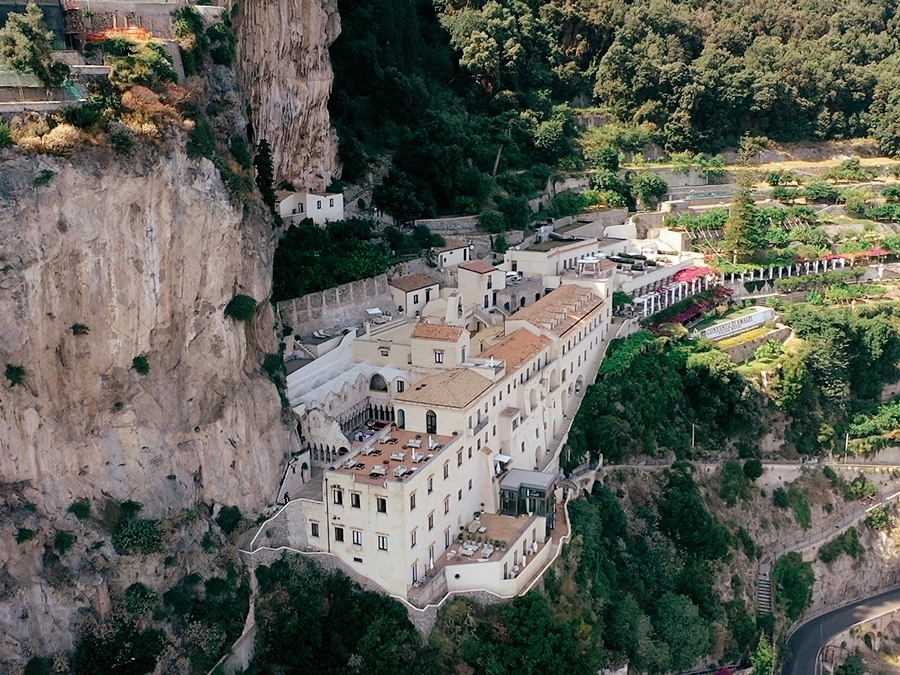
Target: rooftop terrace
[392, 454]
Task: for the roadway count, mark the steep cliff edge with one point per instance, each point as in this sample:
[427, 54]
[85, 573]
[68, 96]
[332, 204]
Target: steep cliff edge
[285, 72]
[144, 258]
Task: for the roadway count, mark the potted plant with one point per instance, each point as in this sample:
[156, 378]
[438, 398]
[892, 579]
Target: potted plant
[502, 545]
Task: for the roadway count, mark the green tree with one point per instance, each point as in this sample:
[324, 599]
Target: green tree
[753, 468]
[764, 659]
[792, 582]
[265, 173]
[680, 625]
[492, 221]
[650, 188]
[26, 45]
[820, 191]
[741, 228]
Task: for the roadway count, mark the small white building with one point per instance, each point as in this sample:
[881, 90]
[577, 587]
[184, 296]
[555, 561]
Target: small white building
[412, 292]
[321, 208]
[454, 252]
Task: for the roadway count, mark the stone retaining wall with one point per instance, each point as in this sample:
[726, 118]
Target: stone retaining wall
[344, 305]
[744, 351]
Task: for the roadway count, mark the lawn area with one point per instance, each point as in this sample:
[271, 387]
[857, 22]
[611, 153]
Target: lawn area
[736, 340]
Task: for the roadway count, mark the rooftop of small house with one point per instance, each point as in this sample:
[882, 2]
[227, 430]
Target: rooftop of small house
[392, 454]
[412, 282]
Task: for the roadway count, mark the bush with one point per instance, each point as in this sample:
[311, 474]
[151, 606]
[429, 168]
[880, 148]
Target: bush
[240, 150]
[229, 518]
[140, 364]
[138, 536]
[80, 329]
[141, 600]
[122, 141]
[63, 542]
[201, 138]
[820, 191]
[780, 498]
[860, 488]
[15, 374]
[848, 543]
[81, 508]
[753, 469]
[241, 308]
[24, 534]
[792, 583]
[735, 484]
[38, 666]
[492, 221]
[222, 43]
[130, 509]
[105, 652]
[5, 134]
[878, 518]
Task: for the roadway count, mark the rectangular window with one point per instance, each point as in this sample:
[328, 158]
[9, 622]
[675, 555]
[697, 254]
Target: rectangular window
[446, 470]
[430, 484]
[470, 483]
[459, 458]
[381, 504]
[460, 495]
[412, 501]
[330, 202]
[319, 204]
[314, 529]
[438, 357]
[447, 538]
[382, 543]
[354, 500]
[412, 539]
[338, 497]
[470, 452]
[357, 537]
[401, 385]
[339, 534]
[447, 504]
[416, 299]
[431, 520]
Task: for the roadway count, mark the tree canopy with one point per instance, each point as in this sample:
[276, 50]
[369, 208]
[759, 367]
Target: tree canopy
[26, 46]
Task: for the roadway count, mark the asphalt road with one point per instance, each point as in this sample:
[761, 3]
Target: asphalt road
[805, 642]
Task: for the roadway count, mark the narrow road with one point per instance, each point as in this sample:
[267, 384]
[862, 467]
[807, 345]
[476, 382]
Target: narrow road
[805, 642]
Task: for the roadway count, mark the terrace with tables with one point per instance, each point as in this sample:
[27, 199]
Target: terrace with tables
[495, 553]
[391, 454]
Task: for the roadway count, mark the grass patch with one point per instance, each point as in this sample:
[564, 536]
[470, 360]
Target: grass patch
[736, 340]
[795, 499]
[63, 542]
[726, 316]
[81, 508]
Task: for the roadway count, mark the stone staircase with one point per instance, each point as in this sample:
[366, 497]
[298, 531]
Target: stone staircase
[563, 431]
[764, 589]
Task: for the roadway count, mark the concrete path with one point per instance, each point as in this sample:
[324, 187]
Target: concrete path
[806, 641]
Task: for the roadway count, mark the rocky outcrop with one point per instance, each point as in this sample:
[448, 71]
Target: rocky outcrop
[102, 260]
[285, 71]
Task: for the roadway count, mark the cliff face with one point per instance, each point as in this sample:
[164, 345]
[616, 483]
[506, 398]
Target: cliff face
[145, 255]
[285, 72]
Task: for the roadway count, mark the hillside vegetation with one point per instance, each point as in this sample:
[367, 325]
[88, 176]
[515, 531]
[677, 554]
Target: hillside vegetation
[452, 90]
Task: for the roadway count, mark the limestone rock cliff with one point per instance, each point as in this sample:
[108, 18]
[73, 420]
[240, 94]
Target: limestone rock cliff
[285, 72]
[143, 254]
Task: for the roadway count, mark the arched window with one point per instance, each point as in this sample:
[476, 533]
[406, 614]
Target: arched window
[430, 422]
[377, 383]
[401, 419]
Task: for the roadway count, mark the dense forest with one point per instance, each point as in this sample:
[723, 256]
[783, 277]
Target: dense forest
[460, 93]
[662, 395]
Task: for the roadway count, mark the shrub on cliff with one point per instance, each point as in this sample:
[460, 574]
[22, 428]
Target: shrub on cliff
[138, 536]
[15, 374]
[140, 364]
[63, 541]
[81, 508]
[229, 518]
[241, 308]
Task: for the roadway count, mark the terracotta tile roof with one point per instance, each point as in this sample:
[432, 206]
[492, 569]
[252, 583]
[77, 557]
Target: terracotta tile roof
[516, 349]
[560, 310]
[457, 388]
[478, 266]
[443, 332]
[452, 243]
[412, 282]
